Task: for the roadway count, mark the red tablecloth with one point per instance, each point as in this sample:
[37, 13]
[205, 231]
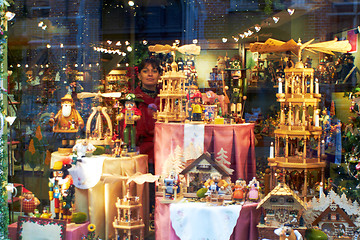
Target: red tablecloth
[245, 228]
[73, 231]
[237, 139]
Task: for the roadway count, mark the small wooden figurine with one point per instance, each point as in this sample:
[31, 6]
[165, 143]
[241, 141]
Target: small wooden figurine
[171, 187]
[83, 148]
[215, 186]
[67, 120]
[117, 149]
[130, 114]
[254, 187]
[239, 191]
[28, 202]
[197, 107]
[61, 189]
[286, 232]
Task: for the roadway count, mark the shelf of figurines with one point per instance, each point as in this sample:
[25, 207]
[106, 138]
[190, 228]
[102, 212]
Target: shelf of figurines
[215, 192]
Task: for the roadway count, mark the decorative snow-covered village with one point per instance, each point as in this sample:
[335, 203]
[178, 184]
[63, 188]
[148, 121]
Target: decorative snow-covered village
[335, 215]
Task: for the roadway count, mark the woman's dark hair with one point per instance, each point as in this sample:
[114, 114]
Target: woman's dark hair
[152, 61]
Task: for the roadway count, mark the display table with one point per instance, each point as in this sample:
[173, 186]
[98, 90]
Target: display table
[73, 231]
[235, 141]
[245, 223]
[98, 201]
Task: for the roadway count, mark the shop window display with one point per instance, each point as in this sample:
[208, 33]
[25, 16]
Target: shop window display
[262, 121]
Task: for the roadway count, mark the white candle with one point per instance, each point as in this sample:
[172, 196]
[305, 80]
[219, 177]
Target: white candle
[272, 150]
[321, 191]
[316, 118]
[322, 147]
[316, 86]
[280, 86]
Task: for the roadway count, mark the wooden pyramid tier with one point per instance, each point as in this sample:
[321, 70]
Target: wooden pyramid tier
[128, 224]
[172, 96]
[298, 135]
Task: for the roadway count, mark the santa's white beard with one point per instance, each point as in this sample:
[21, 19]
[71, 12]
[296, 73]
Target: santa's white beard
[66, 110]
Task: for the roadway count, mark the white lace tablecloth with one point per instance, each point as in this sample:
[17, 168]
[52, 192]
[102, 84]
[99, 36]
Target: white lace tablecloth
[87, 174]
[199, 221]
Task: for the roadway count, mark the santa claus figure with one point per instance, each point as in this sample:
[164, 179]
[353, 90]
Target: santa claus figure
[67, 120]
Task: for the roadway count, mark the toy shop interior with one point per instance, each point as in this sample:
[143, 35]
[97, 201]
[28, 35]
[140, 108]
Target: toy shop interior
[161, 119]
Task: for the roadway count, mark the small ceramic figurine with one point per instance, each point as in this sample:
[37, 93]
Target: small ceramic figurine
[254, 187]
[28, 202]
[61, 185]
[130, 114]
[239, 191]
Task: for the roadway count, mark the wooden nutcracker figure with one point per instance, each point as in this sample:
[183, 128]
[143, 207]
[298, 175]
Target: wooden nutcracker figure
[130, 114]
[61, 189]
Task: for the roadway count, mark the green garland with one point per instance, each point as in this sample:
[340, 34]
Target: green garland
[4, 211]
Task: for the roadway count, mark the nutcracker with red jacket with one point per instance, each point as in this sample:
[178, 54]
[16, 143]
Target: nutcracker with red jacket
[62, 189]
[197, 107]
[130, 114]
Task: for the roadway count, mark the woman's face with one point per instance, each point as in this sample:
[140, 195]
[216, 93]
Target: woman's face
[149, 77]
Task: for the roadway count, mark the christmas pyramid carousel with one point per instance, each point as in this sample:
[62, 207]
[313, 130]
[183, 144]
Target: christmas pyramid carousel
[297, 149]
[172, 93]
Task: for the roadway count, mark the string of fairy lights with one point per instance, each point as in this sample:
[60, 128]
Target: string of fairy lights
[108, 47]
[257, 28]
[124, 48]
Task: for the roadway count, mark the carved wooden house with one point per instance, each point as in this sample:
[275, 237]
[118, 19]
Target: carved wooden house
[335, 222]
[199, 170]
[280, 206]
